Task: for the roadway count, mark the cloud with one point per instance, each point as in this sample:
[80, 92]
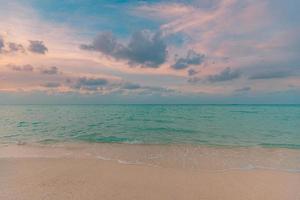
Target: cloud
[193, 80]
[192, 58]
[37, 46]
[50, 71]
[23, 68]
[109, 86]
[93, 84]
[130, 86]
[105, 43]
[212, 31]
[29, 68]
[51, 85]
[150, 90]
[243, 89]
[144, 48]
[270, 75]
[11, 47]
[135, 88]
[226, 75]
[1, 44]
[192, 72]
[14, 47]
[162, 10]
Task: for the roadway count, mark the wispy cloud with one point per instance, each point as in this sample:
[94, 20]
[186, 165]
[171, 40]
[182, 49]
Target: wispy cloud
[192, 72]
[93, 84]
[49, 71]
[270, 75]
[130, 86]
[225, 75]
[10, 47]
[192, 58]
[14, 47]
[25, 68]
[163, 10]
[51, 85]
[243, 89]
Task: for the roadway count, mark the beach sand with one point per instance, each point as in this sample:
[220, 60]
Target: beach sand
[85, 177]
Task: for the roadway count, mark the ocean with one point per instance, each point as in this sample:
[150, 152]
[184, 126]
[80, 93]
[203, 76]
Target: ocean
[213, 125]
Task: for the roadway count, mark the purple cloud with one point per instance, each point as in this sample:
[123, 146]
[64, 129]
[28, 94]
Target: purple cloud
[37, 46]
[144, 48]
[192, 58]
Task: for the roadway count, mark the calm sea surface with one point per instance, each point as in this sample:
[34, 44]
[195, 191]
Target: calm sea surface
[229, 125]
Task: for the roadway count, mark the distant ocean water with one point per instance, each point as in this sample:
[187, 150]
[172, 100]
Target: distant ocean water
[224, 125]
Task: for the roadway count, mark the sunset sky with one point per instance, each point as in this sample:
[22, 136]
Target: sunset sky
[193, 51]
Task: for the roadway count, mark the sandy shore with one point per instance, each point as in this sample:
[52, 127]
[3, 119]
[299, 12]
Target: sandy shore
[51, 178]
[87, 177]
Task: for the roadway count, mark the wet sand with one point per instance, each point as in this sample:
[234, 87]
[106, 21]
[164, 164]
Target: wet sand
[36, 176]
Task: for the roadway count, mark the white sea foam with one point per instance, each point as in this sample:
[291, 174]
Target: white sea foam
[170, 156]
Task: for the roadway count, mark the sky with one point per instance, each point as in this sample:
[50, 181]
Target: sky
[159, 51]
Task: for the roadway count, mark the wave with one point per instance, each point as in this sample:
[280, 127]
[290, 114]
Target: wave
[105, 139]
[278, 145]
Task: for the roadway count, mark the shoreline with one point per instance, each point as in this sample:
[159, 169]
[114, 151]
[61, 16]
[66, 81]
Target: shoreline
[198, 157]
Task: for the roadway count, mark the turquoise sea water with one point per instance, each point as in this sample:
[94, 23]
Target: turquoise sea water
[229, 125]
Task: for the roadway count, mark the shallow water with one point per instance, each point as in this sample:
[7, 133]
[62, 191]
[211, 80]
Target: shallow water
[216, 125]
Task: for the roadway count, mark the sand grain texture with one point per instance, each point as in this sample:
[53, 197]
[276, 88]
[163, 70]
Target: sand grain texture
[61, 178]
